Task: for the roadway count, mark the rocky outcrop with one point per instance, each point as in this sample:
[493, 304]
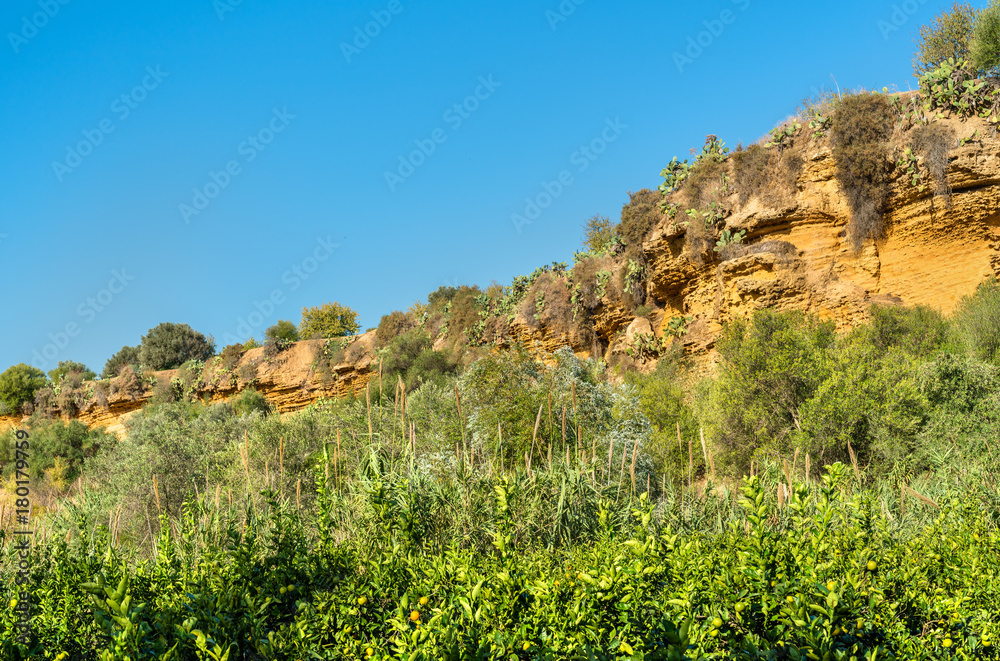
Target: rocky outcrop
[935, 251]
[290, 380]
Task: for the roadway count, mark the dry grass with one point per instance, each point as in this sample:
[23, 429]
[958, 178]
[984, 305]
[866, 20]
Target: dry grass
[862, 125]
[639, 216]
[556, 307]
[765, 174]
[932, 142]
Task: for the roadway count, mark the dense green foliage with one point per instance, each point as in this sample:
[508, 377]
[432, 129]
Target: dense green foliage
[327, 321]
[60, 450]
[597, 232]
[947, 36]
[984, 46]
[67, 366]
[168, 346]
[283, 330]
[411, 358]
[125, 356]
[843, 567]
[18, 385]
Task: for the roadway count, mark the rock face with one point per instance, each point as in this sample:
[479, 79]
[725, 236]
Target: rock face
[936, 250]
[290, 380]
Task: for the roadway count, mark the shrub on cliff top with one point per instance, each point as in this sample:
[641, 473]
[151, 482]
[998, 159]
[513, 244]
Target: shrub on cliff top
[168, 346]
[639, 216]
[19, 383]
[984, 46]
[125, 356]
[597, 233]
[862, 125]
[391, 326]
[328, 320]
[947, 36]
[284, 330]
[66, 366]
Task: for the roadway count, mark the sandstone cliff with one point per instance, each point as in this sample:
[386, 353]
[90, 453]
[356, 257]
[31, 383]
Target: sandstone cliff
[795, 255]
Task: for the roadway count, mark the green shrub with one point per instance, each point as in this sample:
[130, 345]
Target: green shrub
[862, 125]
[283, 330]
[770, 366]
[67, 366]
[249, 401]
[505, 390]
[869, 399]
[327, 321]
[168, 346]
[984, 46]
[410, 357]
[19, 383]
[964, 395]
[463, 314]
[947, 36]
[919, 330]
[662, 398]
[440, 297]
[391, 326]
[251, 344]
[597, 233]
[125, 356]
[976, 322]
[72, 441]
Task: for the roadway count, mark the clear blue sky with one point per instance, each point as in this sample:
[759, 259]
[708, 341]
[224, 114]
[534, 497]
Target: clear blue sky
[163, 95]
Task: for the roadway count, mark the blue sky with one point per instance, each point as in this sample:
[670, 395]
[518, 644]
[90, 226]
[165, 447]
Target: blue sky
[223, 164]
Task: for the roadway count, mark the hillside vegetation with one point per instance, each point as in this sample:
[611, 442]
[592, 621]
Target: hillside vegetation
[530, 471]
